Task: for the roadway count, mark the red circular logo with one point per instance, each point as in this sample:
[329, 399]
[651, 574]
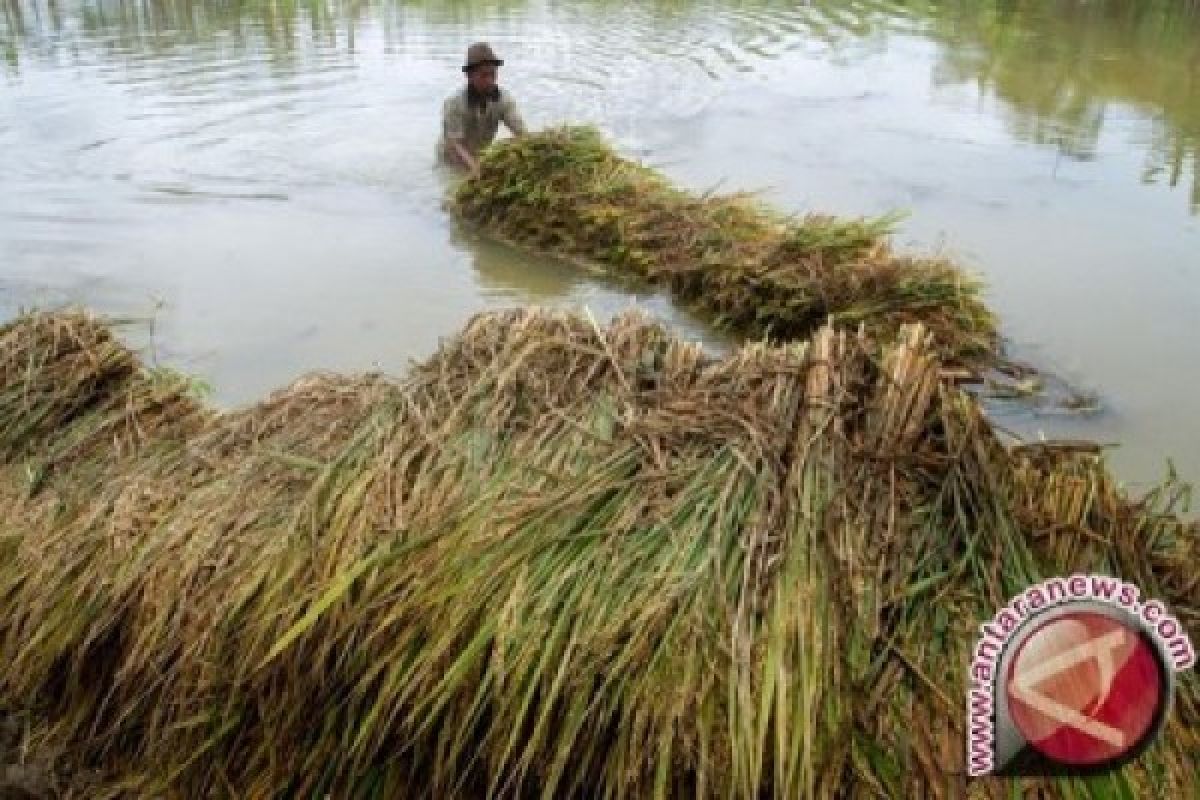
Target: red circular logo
[1085, 689]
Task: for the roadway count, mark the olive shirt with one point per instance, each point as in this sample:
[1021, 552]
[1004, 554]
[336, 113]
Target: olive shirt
[476, 126]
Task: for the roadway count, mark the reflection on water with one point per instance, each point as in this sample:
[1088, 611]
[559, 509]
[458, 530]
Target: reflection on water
[1068, 69]
[505, 273]
[262, 168]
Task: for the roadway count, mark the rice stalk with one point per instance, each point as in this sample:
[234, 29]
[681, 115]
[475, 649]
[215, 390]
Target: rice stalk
[746, 267]
[556, 560]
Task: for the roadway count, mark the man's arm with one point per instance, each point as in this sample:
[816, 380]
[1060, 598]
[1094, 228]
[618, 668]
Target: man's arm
[511, 116]
[464, 156]
[454, 131]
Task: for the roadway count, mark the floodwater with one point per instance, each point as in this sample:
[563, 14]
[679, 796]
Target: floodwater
[257, 175]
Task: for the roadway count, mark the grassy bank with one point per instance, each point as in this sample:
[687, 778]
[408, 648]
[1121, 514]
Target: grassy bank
[555, 560]
[743, 265]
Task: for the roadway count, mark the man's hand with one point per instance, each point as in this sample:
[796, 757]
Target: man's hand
[464, 155]
[472, 167]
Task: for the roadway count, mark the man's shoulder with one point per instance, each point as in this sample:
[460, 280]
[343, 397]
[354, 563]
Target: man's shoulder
[458, 100]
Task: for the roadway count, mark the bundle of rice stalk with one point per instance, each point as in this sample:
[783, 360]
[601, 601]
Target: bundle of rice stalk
[567, 193]
[557, 560]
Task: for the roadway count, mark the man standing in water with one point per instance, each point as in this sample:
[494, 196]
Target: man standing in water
[471, 116]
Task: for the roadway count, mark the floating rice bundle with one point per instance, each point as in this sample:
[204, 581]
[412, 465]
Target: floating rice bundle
[567, 193]
[556, 560]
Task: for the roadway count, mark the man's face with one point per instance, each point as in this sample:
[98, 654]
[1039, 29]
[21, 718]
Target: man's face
[483, 78]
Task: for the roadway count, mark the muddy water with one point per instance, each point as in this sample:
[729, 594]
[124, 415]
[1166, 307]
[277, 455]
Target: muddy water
[257, 175]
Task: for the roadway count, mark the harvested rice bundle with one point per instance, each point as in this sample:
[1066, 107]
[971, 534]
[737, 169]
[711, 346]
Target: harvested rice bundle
[557, 560]
[567, 193]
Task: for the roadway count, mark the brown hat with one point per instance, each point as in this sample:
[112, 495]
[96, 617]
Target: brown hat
[479, 54]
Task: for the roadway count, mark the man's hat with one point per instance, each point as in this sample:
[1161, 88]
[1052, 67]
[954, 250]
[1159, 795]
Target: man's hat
[479, 54]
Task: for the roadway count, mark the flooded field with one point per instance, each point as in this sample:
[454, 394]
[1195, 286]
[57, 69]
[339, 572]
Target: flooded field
[258, 176]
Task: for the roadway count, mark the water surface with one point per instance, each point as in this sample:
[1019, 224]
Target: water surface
[258, 175]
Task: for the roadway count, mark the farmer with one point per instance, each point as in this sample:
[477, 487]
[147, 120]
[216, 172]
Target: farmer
[471, 116]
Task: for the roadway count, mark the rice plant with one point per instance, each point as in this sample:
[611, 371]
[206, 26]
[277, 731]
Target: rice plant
[746, 266]
[555, 560]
